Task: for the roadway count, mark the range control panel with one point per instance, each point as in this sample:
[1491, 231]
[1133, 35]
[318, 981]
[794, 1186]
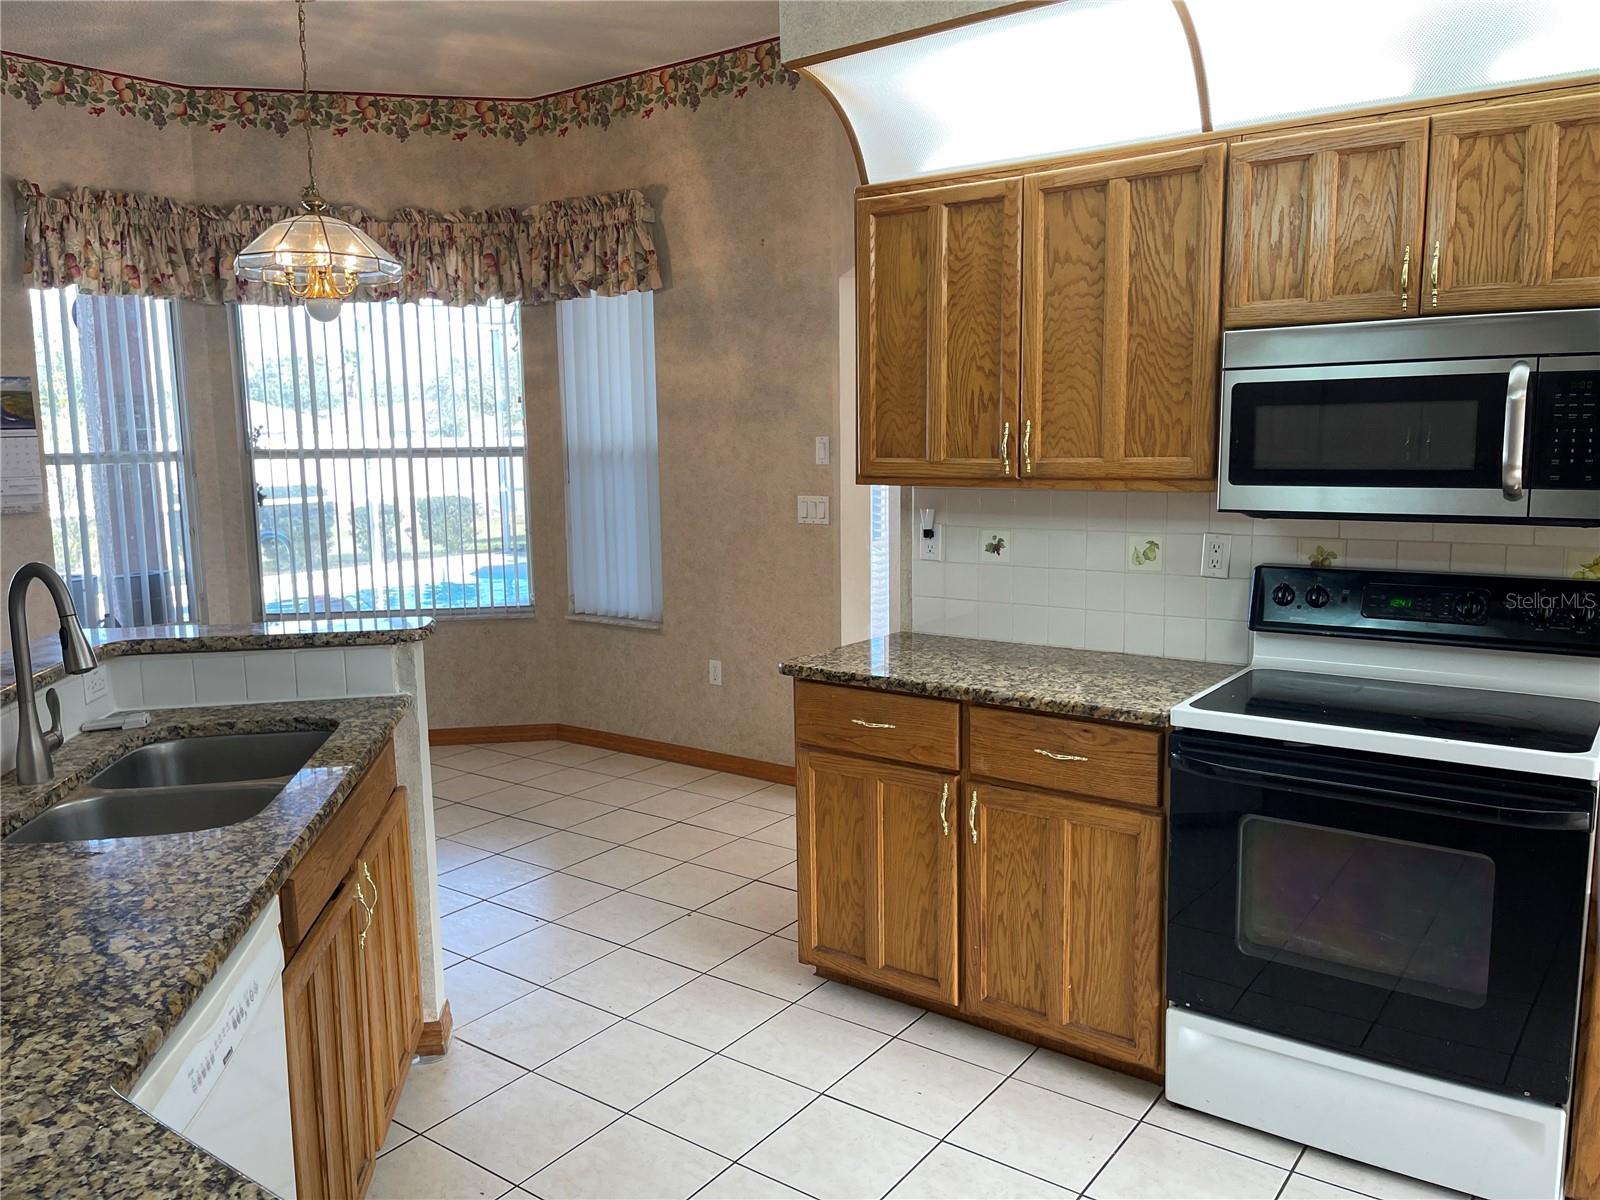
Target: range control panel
[1566, 431]
[1514, 612]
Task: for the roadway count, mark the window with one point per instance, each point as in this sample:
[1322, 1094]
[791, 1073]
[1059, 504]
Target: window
[388, 457]
[111, 423]
[884, 526]
[608, 405]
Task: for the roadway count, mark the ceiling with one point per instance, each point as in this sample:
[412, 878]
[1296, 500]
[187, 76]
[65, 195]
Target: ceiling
[519, 48]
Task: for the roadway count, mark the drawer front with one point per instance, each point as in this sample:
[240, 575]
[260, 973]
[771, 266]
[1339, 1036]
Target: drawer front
[1088, 758]
[878, 724]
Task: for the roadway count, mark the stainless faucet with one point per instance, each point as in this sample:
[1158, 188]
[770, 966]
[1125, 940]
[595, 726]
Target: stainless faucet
[33, 744]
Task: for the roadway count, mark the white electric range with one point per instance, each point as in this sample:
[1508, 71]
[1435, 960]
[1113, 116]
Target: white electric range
[1379, 864]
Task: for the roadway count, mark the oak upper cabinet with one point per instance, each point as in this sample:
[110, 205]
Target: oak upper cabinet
[1121, 311]
[938, 293]
[1062, 920]
[1514, 207]
[394, 1003]
[330, 1076]
[1326, 226]
[877, 859]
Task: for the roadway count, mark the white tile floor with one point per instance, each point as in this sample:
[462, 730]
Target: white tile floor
[631, 1021]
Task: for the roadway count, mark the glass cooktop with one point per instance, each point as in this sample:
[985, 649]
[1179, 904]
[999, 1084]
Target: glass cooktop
[1420, 709]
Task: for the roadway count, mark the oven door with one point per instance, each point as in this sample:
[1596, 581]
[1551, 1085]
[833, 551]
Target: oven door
[1395, 909]
[1439, 439]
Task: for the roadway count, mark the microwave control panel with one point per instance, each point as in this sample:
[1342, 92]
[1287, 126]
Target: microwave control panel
[1566, 431]
[1561, 615]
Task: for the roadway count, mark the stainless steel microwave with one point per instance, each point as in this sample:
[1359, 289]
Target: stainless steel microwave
[1475, 418]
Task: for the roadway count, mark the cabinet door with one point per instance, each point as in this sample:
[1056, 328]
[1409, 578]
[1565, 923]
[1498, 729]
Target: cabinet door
[877, 873]
[1062, 920]
[1326, 226]
[325, 1011]
[1121, 311]
[1514, 207]
[394, 1009]
[937, 277]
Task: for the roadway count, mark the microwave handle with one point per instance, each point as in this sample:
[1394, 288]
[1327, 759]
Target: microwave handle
[1514, 449]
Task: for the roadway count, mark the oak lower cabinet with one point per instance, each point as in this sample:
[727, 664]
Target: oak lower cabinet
[330, 1072]
[352, 1003]
[1062, 920]
[1011, 875]
[876, 844]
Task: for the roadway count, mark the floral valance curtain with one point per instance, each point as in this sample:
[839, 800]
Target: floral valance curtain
[125, 244]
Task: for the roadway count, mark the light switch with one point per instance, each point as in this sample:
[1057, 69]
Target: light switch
[822, 452]
[812, 510]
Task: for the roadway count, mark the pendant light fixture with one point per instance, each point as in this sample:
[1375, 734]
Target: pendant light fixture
[316, 256]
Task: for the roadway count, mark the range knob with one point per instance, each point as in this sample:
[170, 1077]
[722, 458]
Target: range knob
[1283, 595]
[1317, 596]
[1586, 618]
[1471, 606]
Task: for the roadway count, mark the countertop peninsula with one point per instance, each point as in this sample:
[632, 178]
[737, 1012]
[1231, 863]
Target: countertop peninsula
[185, 639]
[108, 943]
[1132, 689]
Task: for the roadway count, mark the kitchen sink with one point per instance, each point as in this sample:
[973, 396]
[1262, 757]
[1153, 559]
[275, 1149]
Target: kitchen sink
[224, 758]
[179, 786]
[145, 812]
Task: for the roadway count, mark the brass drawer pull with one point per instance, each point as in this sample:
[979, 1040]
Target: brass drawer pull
[1062, 757]
[944, 808]
[1027, 440]
[371, 906]
[1405, 279]
[972, 817]
[870, 724]
[1005, 446]
[1433, 275]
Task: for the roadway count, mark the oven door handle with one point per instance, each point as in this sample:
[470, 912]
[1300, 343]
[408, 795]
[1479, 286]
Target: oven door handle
[1386, 797]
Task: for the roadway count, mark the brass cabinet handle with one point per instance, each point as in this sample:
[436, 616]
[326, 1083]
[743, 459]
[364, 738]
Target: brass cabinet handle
[1005, 446]
[1405, 279]
[370, 905]
[1433, 275]
[944, 808]
[870, 724]
[1062, 757]
[972, 817]
[1027, 454]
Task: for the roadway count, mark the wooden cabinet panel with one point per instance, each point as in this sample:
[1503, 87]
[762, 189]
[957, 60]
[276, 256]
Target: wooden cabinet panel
[877, 873]
[1326, 226]
[1089, 758]
[937, 276]
[908, 729]
[394, 1009]
[1062, 921]
[1121, 318]
[1514, 207]
[330, 1093]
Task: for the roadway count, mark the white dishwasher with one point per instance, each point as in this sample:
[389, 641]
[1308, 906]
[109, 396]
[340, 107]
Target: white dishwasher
[222, 1078]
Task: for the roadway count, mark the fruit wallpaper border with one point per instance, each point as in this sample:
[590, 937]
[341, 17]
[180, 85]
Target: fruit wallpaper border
[730, 73]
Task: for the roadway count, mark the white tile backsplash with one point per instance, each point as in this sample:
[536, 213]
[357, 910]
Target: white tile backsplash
[1091, 597]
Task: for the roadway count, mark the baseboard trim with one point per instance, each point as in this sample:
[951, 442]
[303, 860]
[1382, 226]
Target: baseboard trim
[692, 756]
[435, 1037]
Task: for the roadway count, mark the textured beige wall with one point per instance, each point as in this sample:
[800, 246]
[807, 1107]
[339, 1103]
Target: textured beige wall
[808, 27]
[754, 197]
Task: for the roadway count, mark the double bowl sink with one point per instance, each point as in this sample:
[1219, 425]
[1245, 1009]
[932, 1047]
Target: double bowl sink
[178, 786]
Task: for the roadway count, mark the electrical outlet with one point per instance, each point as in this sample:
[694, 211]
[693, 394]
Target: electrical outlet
[715, 673]
[95, 685]
[1216, 549]
[822, 452]
[930, 546]
[812, 510]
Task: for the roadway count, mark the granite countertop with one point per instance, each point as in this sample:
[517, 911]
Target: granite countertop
[1130, 688]
[108, 943]
[182, 639]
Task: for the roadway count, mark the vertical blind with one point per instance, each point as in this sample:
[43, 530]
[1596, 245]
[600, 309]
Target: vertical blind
[608, 402]
[388, 454]
[882, 558]
[112, 427]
